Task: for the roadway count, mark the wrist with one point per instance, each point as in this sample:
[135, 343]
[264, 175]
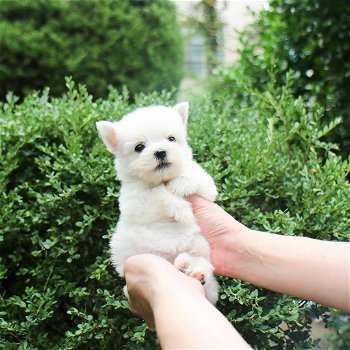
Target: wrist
[257, 253]
[241, 251]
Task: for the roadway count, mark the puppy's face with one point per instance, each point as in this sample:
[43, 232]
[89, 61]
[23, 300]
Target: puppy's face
[149, 144]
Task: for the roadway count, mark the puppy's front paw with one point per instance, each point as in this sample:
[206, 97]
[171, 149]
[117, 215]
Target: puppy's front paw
[183, 214]
[182, 186]
[209, 191]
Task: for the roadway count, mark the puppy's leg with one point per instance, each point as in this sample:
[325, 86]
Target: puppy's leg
[182, 186]
[186, 263]
[200, 269]
[211, 289]
[206, 186]
[195, 267]
[175, 207]
[207, 189]
[125, 291]
[194, 180]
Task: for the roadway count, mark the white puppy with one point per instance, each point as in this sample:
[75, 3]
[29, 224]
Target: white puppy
[155, 166]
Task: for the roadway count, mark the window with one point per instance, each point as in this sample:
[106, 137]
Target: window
[195, 60]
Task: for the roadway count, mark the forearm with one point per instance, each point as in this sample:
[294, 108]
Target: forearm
[199, 323]
[307, 268]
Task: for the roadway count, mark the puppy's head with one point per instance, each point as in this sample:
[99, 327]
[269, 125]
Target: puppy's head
[149, 144]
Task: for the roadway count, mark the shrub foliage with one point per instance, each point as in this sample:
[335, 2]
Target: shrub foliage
[59, 207]
[98, 43]
[311, 37]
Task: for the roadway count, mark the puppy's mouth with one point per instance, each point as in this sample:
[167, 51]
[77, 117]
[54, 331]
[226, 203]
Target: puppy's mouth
[162, 166]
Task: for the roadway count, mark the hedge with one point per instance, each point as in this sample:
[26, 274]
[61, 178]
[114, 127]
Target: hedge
[273, 169]
[311, 37]
[98, 43]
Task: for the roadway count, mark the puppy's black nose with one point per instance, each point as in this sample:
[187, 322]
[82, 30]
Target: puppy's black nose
[160, 155]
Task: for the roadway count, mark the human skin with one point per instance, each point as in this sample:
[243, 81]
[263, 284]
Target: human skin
[307, 268]
[175, 304]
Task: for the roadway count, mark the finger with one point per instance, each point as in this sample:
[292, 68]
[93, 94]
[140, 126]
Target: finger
[142, 309]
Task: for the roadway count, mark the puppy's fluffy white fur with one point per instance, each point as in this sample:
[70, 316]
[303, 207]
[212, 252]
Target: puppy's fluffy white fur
[155, 166]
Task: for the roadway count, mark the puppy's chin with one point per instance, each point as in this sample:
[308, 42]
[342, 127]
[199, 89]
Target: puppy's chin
[163, 173]
[163, 166]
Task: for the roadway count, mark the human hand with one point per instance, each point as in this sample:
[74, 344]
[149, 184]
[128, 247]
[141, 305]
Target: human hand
[224, 234]
[149, 279]
[175, 305]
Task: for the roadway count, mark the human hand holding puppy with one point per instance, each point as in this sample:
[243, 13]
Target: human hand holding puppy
[303, 267]
[149, 279]
[224, 234]
[176, 306]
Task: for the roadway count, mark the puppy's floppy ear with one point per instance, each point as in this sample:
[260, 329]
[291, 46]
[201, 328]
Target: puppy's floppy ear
[108, 135]
[182, 109]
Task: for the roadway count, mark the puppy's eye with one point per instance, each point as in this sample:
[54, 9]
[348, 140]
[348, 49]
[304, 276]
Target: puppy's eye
[171, 138]
[139, 147]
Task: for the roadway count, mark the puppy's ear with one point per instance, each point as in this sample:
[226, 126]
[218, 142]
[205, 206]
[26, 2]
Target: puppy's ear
[182, 109]
[108, 135]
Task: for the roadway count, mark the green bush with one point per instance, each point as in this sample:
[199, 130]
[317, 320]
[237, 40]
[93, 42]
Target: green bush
[312, 38]
[59, 208]
[98, 43]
